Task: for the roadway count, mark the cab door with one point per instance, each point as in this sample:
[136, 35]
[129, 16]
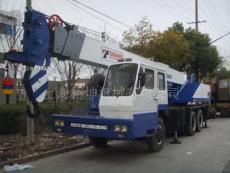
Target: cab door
[161, 96]
[144, 101]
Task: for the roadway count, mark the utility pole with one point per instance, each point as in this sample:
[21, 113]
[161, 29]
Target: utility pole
[28, 4]
[29, 121]
[196, 22]
[196, 15]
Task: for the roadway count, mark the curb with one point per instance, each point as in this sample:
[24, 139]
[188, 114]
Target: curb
[45, 154]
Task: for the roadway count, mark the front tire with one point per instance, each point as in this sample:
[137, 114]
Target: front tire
[155, 142]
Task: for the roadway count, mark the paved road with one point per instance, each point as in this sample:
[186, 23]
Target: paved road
[207, 151]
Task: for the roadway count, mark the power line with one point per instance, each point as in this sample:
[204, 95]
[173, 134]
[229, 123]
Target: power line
[187, 9]
[71, 3]
[206, 12]
[164, 5]
[218, 17]
[103, 14]
[171, 9]
[82, 9]
[182, 8]
[220, 38]
[214, 19]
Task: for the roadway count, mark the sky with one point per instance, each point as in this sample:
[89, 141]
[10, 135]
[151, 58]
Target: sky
[161, 13]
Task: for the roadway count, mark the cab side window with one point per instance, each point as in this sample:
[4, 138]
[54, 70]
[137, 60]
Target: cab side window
[140, 81]
[149, 79]
[161, 81]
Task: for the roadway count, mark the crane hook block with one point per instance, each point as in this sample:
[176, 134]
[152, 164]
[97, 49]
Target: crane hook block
[36, 41]
[36, 85]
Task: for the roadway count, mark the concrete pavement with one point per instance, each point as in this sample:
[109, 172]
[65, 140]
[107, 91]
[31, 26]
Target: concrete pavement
[206, 152]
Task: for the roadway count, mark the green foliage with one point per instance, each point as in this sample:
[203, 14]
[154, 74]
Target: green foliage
[176, 46]
[170, 48]
[177, 27]
[222, 73]
[13, 117]
[137, 37]
[204, 58]
[10, 117]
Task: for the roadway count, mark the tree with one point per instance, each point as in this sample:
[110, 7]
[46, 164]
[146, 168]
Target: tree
[177, 27]
[176, 46]
[137, 38]
[204, 58]
[222, 73]
[69, 72]
[169, 48]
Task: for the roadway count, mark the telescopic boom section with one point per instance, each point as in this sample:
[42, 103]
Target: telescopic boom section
[45, 37]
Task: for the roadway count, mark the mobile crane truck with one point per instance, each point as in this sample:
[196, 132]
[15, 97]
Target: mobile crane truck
[138, 99]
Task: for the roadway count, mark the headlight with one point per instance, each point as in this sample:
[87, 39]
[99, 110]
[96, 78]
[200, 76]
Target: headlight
[59, 123]
[124, 129]
[120, 128]
[117, 128]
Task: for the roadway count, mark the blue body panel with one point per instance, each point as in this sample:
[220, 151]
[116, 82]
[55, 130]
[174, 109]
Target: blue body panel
[185, 95]
[139, 126]
[163, 107]
[93, 105]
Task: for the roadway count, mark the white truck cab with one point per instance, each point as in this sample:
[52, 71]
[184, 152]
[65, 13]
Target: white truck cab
[133, 88]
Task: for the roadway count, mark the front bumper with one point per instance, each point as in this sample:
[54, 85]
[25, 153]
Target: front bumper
[96, 126]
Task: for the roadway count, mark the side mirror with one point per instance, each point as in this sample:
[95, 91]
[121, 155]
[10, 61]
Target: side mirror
[141, 79]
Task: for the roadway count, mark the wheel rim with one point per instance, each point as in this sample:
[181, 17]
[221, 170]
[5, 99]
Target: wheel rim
[160, 135]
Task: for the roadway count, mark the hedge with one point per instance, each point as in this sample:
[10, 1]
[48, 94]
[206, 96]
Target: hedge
[10, 117]
[13, 116]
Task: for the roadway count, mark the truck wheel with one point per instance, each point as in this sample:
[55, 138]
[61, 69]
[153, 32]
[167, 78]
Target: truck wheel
[98, 142]
[191, 127]
[199, 121]
[155, 142]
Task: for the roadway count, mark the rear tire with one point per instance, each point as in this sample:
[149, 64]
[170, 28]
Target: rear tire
[199, 120]
[155, 142]
[98, 142]
[191, 126]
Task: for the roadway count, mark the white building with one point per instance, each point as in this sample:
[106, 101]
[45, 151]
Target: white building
[8, 26]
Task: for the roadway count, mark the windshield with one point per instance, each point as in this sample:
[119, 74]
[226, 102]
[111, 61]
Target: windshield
[120, 80]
